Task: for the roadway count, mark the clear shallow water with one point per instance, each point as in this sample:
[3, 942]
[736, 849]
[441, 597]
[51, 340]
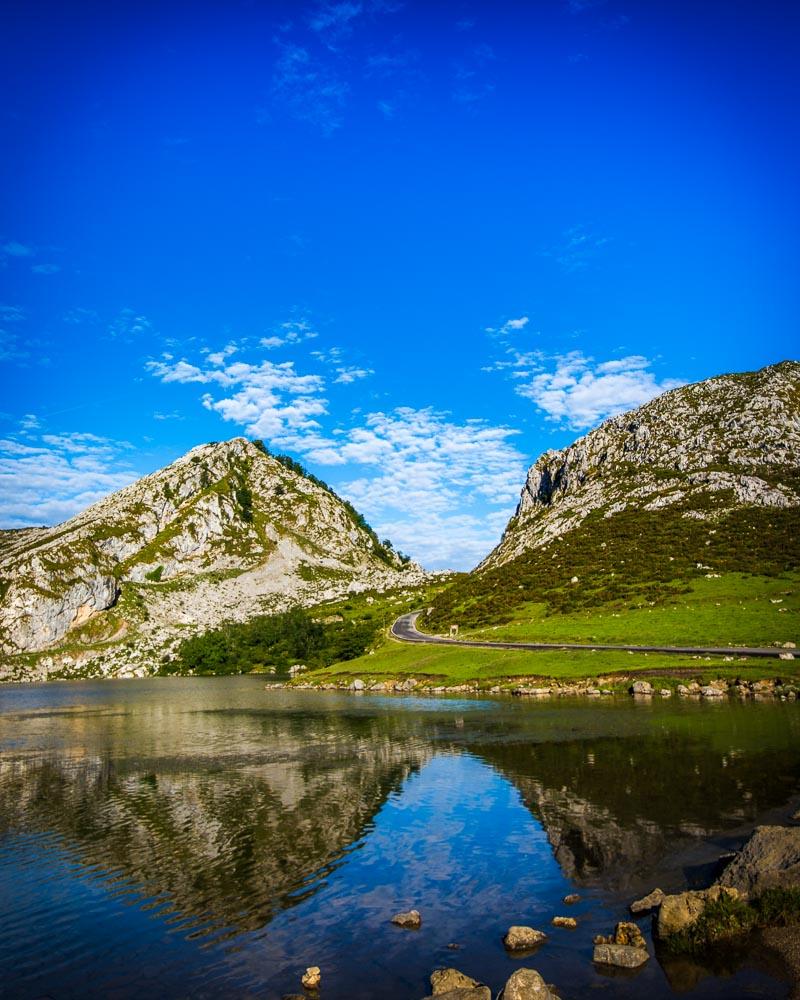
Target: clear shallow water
[210, 838]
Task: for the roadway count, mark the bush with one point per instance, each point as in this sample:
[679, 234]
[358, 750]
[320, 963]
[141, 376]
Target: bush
[154, 574]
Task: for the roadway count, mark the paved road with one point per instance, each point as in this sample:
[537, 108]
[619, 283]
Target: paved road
[405, 629]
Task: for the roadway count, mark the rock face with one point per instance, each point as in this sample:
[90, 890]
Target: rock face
[226, 532]
[724, 440]
[771, 857]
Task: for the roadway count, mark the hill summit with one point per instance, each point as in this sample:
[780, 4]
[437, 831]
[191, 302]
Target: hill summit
[227, 532]
[702, 480]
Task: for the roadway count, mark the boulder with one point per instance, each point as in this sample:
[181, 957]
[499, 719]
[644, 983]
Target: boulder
[526, 984]
[357, 685]
[678, 912]
[711, 692]
[409, 918]
[622, 955]
[569, 922]
[571, 898]
[625, 933]
[771, 857]
[641, 687]
[445, 980]
[648, 902]
[523, 938]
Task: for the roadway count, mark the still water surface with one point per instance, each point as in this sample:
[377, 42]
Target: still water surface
[211, 838]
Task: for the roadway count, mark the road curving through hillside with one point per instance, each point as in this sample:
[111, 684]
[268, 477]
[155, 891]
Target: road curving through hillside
[405, 629]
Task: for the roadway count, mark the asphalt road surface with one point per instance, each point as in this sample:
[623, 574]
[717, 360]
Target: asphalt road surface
[405, 629]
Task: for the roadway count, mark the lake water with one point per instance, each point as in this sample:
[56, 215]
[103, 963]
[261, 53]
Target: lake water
[212, 838]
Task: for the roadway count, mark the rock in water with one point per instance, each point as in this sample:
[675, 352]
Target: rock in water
[680, 911]
[526, 984]
[648, 902]
[569, 922]
[312, 977]
[641, 687]
[622, 955]
[450, 984]
[571, 898]
[771, 857]
[520, 938]
[410, 918]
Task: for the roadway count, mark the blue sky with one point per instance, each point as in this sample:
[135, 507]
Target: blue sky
[414, 245]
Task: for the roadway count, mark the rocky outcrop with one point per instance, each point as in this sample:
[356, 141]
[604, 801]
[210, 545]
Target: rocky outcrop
[770, 858]
[727, 440]
[519, 938]
[224, 533]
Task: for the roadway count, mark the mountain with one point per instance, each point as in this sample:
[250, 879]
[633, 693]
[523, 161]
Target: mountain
[703, 479]
[224, 533]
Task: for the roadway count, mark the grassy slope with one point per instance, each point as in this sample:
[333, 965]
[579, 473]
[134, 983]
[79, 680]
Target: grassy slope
[732, 610]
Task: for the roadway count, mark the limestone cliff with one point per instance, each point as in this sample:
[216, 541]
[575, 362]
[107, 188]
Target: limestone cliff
[730, 441]
[224, 533]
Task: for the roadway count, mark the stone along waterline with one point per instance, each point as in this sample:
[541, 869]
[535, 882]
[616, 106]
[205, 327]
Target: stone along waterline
[211, 837]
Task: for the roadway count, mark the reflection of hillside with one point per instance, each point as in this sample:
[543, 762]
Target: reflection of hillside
[612, 807]
[224, 847]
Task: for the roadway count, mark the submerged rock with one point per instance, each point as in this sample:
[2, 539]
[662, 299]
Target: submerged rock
[624, 956]
[648, 902]
[520, 938]
[409, 918]
[526, 984]
[465, 993]
[771, 857]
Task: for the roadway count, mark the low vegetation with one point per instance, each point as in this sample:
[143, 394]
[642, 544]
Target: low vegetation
[725, 920]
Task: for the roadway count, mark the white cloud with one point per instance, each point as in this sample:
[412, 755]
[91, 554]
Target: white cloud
[352, 374]
[510, 326]
[293, 332]
[270, 400]
[218, 357]
[58, 475]
[46, 268]
[441, 490]
[580, 392]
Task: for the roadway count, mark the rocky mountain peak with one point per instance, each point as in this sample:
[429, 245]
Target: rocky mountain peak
[227, 531]
[728, 441]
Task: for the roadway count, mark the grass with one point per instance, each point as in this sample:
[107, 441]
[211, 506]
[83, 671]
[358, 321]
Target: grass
[734, 609]
[727, 919]
[458, 665]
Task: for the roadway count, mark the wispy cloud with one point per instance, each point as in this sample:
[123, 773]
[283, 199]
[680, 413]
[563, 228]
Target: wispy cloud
[439, 488]
[577, 248]
[470, 85]
[509, 326]
[46, 268]
[352, 374]
[49, 478]
[14, 249]
[292, 332]
[310, 89]
[578, 391]
[128, 325]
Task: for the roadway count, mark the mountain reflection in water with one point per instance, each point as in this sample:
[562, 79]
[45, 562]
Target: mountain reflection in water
[233, 835]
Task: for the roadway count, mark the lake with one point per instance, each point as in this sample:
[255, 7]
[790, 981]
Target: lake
[212, 838]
